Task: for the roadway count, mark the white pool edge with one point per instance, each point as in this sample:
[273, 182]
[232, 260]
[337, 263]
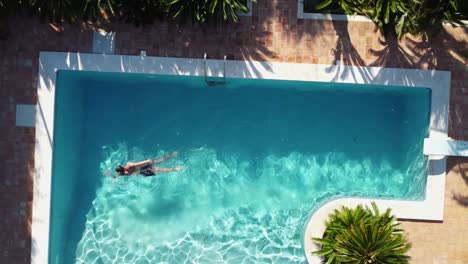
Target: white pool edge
[429, 209]
[51, 62]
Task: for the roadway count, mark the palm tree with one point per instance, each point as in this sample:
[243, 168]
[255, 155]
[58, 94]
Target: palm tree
[431, 15]
[138, 12]
[362, 235]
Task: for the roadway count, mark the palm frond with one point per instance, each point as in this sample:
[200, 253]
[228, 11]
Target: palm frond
[362, 235]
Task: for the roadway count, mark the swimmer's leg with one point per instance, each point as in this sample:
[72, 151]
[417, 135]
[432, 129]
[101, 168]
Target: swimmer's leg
[158, 170]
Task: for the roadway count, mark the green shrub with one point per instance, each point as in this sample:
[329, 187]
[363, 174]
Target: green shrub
[402, 16]
[362, 235]
[137, 12]
[205, 10]
[430, 15]
[65, 10]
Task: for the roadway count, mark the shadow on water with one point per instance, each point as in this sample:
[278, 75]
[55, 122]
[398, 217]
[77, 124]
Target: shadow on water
[83, 200]
[268, 121]
[163, 208]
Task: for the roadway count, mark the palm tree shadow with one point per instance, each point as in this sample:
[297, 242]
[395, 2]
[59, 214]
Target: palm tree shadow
[455, 163]
[424, 52]
[460, 199]
[444, 51]
[345, 52]
[391, 55]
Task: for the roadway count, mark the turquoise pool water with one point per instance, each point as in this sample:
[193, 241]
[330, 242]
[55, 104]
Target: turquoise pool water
[259, 156]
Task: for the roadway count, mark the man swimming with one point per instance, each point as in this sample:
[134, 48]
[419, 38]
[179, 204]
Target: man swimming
[145, 167]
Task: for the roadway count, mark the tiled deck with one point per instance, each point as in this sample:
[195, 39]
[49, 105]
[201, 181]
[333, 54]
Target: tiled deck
[445, 242]
[273, 33]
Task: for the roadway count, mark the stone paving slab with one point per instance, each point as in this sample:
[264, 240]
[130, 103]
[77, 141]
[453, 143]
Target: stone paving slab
[272, 33]
[445, 242]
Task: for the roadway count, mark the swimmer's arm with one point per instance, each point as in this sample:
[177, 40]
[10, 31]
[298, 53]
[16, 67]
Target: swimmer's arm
[150, 161]
[108, 174]
[139, 164]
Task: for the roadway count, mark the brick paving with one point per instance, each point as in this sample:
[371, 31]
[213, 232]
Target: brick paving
[18, 85]
[447, 242]
[273, 33]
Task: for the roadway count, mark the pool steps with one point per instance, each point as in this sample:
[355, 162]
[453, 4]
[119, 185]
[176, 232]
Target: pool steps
[214, 82]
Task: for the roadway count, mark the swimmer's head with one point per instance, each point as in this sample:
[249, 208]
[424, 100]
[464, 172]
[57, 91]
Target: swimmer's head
[120, 169]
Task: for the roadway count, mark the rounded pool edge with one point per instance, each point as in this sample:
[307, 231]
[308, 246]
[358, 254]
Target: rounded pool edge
[431, 208]
[316, 225]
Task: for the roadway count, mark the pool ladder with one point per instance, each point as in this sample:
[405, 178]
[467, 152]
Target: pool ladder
[215, 81]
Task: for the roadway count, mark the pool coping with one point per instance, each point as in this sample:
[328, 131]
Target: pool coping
[429, 209]
[51, 62]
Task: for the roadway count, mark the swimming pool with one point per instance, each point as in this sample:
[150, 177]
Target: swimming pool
[259, 156]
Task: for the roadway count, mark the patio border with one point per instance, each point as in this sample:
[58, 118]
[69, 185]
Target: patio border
[51, 62]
